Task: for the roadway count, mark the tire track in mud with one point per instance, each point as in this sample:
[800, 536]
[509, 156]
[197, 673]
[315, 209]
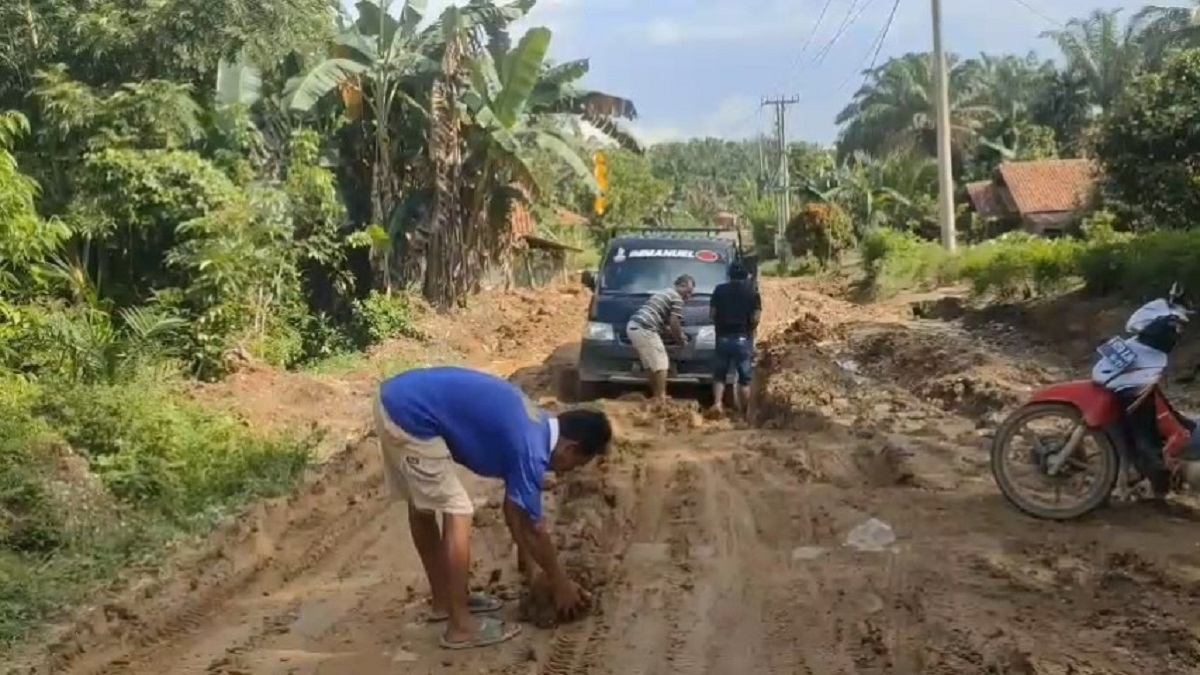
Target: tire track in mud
[684, 535]
[635, 597]
[575, 648]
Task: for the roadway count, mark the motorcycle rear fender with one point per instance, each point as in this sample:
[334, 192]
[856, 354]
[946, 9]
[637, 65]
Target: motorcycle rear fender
[1099, 406]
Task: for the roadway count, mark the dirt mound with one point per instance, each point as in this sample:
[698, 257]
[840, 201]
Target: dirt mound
[512, 323]
[273, 399]
[588, 525]
[944, 366]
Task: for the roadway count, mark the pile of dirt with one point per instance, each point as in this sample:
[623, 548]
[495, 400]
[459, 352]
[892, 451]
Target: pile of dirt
[798, 383]
[505, 324]
[587, 524]
[945, 367]
[275, 400]
[659, 418]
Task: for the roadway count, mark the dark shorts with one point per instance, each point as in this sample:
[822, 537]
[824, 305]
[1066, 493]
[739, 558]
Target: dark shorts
[734, 352]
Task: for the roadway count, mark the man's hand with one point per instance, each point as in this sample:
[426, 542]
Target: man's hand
[570, 599]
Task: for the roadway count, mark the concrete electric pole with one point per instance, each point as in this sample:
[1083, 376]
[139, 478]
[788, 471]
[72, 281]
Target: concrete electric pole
[945, 168]
[782, 183]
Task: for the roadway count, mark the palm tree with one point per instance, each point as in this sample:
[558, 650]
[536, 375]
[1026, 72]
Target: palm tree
[1102, 53]
[895, 107]
[1161, 29]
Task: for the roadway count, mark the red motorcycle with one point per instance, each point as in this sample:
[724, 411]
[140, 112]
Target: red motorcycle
[1094, 417]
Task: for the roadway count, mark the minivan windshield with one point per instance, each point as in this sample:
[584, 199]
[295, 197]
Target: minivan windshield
[650, 275]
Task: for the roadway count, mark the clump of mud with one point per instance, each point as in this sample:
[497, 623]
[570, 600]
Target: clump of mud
[663, 417]
[538, 608]
[808, 329]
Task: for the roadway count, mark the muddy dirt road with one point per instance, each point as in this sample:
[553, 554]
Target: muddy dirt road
[713, 547]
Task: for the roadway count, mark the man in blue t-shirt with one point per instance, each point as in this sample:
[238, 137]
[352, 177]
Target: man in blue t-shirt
[431, 419]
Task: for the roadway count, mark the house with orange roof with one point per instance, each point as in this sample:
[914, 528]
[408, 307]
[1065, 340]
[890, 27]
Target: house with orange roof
[1045, 196]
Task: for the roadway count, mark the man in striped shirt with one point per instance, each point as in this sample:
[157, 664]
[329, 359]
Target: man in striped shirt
[661, 314]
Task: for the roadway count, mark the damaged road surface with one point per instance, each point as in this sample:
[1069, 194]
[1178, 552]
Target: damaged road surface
[853, 529]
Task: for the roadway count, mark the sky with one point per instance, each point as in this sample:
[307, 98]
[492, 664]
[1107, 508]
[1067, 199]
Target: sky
[702, 67]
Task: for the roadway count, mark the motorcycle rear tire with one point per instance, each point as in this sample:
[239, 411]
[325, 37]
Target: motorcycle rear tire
[1003, 438]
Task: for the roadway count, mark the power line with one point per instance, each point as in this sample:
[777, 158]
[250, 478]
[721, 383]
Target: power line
[796, 64]
[876, 48]
[1039, 13]
[846, 23]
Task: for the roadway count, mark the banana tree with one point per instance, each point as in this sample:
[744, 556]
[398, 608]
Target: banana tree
[508, 127]
[557, 93]
[483, 158]
[375, 62]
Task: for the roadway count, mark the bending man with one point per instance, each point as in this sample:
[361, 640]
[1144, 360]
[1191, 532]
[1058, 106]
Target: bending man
[661, 315]
[431, 419]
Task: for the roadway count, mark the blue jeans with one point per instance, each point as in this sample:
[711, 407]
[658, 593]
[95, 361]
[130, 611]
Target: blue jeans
[735, 352]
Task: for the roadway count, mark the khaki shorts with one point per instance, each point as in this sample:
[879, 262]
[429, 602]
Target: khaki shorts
[649, 347]
[421, 473]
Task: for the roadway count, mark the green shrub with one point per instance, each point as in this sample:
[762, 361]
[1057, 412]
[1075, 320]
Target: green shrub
[1143, 266]
[157, 453]
[380, 317]
[820, 230]
[895, 261]
[94, 477]
[1021, 265]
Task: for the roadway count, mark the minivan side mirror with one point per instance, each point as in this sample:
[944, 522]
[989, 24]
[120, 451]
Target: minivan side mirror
[588, 278]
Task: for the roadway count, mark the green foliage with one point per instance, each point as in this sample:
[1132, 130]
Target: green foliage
[172, 459]
[822, 231]
[95, 476]
[634, 194]
[1148, 143]
[1019, 265]
[895, 261]
[1142, 265]
[706, 176]
[380, 317]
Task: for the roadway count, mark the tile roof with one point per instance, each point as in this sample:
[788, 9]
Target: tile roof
[521, 220]
[1042, 186]
[570, 218]
[985, 197]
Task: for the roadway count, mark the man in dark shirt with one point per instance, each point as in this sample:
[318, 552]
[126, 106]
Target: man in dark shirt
[735, 309]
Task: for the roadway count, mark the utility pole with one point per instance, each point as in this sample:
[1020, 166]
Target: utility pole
[945, 174]
[782, 183]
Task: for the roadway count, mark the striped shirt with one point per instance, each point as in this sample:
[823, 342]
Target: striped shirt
[658, 310]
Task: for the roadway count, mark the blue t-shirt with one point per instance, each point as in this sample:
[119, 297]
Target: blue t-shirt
[489, 424]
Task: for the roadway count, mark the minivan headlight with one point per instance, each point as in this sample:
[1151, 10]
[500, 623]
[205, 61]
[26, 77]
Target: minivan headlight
[706, 337]
[599, 332]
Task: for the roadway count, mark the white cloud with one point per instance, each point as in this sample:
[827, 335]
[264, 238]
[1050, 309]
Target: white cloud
[733, 117]
[650, 135]
[726, 21]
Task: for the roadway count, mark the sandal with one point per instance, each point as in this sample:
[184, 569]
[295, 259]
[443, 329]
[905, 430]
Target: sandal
[477, 603]
[491, 631]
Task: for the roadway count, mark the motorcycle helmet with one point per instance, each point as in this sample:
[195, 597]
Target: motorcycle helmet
[1159, 323]
[1162, 333]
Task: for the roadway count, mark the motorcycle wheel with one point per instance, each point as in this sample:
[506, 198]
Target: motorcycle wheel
[1093, 499]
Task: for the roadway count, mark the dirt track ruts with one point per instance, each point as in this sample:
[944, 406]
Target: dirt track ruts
[713, 547]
